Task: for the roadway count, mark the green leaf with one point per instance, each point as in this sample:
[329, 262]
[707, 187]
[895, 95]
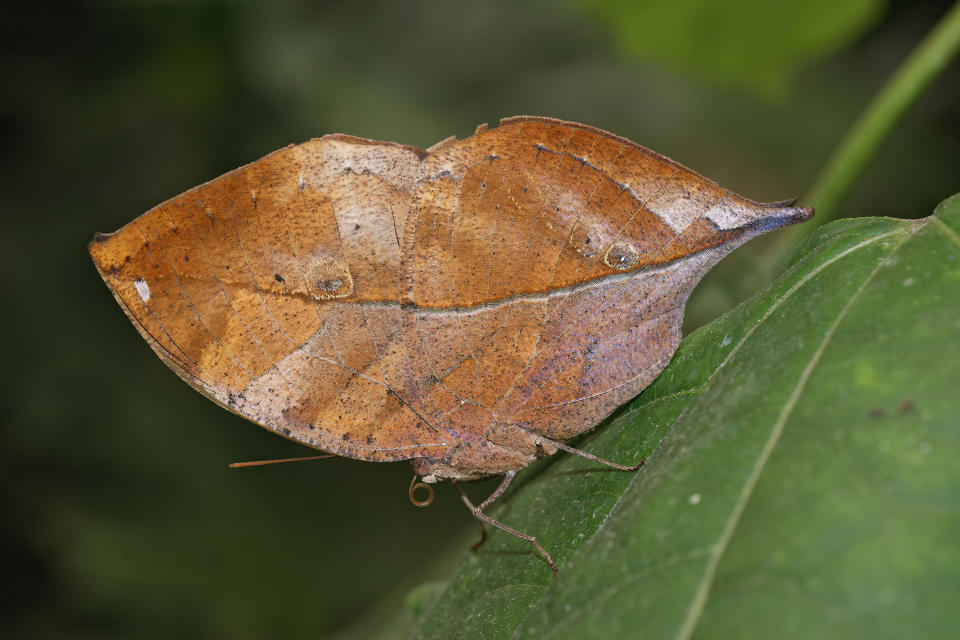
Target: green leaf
[752, 43]
[805, 483]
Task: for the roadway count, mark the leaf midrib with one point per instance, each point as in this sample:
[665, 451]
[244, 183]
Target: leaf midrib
[746, 336]
[695, 612]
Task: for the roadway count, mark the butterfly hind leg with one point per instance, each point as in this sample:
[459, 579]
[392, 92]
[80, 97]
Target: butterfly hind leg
[478, 510]
[478, 513]
[590, 456]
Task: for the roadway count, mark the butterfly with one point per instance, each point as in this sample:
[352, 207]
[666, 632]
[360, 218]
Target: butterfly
[469, 307]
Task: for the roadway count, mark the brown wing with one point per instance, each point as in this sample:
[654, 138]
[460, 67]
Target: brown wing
[382, 302]
[252, 288]
[549, 266]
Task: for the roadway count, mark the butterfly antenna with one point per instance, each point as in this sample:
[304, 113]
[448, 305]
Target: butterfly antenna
[260, 463]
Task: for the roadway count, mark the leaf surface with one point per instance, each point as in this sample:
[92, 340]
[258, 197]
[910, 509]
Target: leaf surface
[802, 479]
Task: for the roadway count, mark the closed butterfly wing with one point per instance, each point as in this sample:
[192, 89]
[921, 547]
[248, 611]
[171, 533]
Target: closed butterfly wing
[467, 306]
[253, 286]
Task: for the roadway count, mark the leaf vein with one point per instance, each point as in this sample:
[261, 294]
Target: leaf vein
[773, 307]
[701, 596]
[947, 231]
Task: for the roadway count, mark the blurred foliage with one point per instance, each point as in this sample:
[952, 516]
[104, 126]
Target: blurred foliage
[752, 43]
[118, 517]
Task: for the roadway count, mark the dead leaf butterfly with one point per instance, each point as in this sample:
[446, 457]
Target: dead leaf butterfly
[468, 307]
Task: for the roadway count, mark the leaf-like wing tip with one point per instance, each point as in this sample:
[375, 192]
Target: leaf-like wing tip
[782, 217]
[799, 214]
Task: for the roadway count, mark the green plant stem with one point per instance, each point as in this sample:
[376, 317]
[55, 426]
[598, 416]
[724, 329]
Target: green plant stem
[930, 57]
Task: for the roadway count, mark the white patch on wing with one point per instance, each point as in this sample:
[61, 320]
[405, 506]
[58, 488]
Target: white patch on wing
[142, 288]
[727, 215]
[680, 212]
[677, 213]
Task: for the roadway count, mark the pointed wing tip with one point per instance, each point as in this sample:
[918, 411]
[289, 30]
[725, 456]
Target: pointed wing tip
[798, 214]
[783, 217]
[786, 209]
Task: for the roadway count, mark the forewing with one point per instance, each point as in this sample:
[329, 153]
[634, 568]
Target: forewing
[549, 266]
[274, 290]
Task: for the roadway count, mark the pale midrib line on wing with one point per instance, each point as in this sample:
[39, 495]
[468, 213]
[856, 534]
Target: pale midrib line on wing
[523, 297]
[773, 307]
[695, 612]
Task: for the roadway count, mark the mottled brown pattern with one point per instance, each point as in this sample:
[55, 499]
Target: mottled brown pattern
[454, 306]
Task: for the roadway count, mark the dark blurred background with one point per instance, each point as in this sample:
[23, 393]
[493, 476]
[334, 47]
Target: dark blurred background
[118, 515]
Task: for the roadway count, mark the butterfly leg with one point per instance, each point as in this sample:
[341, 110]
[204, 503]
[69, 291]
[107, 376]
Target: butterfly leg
[483, 529]
[507, 479]
[590, 456]
[478, 513]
